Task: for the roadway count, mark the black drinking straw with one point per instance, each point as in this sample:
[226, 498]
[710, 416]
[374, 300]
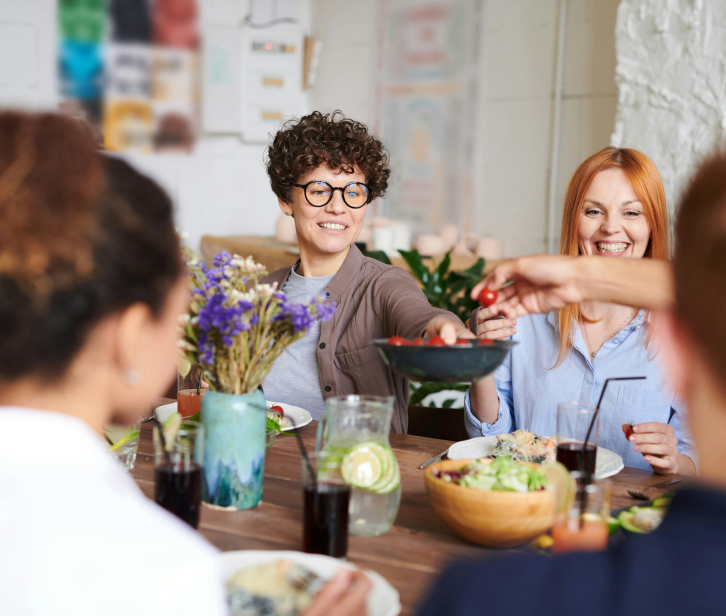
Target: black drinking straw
[304, 453]
[199, 385]
[585, 473]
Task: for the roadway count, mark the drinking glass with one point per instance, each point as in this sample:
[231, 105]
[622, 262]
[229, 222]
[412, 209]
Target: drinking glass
[326, 500]
[188, 400]
[123, 443]
[178, 472]
[584, 528]
[573, 423]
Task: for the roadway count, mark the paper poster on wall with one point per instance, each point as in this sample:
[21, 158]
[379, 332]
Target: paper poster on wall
[221, 79]
[425, 107]
[131, 67]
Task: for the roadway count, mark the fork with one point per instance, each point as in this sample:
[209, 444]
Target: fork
[643, 496]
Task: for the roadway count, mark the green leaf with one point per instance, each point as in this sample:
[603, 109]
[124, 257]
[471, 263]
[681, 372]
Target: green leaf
[378, 255]
[419, 392]
[447, 404]
[477, 268]
[444, 266]
[413, 259]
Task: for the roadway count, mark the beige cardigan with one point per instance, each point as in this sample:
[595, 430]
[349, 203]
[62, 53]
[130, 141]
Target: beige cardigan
[374, 300]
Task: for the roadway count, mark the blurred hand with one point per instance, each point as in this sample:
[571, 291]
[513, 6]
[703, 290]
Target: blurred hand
[541, 283]
[658, 444]
[449, 330]
[494, 328]
[344, 595]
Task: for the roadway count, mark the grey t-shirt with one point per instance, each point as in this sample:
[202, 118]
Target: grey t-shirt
[295, 377]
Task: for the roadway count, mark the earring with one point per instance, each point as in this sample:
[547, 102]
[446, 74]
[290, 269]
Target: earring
[132, 377]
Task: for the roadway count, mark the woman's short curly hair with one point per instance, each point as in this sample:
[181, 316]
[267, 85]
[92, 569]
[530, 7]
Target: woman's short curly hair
[303, 145]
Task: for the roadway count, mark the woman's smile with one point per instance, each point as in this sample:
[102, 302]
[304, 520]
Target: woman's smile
[612, 249]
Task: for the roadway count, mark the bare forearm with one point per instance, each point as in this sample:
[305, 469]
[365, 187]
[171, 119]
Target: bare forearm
[642, 283]
[484, 400]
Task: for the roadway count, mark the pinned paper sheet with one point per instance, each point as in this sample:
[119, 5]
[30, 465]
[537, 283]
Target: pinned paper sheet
[221, 80]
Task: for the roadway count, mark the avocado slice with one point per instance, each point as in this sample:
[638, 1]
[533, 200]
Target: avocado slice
[661, 502]
[626, 521]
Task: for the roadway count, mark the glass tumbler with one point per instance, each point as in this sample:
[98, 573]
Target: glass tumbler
[326, 499]
[584, 527]
[189, 402]
[178, 472]
[574, 421]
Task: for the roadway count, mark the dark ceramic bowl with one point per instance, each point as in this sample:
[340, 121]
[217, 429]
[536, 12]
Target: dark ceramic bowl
[444, 364]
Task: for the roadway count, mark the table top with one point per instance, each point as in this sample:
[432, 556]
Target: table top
[409, 556]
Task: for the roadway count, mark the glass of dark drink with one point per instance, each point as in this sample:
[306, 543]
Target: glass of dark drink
[573, 423]
[178, 471]
[326, 499]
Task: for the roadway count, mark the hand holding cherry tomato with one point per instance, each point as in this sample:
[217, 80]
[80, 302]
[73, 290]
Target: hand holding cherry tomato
[487, 297]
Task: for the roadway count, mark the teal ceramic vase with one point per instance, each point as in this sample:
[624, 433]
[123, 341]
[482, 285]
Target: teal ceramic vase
[234, 452]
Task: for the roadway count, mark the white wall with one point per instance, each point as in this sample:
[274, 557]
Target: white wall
[221, 189]
[517, 74]
[671, 76]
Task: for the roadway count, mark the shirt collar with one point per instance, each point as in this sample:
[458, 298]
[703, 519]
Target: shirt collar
[636, 322]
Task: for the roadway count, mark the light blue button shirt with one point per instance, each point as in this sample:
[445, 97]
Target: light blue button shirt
[529, 390]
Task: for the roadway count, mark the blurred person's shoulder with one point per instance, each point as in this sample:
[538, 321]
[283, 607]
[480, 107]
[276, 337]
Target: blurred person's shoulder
[80, 533]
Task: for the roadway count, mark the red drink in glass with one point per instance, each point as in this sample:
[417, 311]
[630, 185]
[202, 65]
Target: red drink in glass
[189, 402]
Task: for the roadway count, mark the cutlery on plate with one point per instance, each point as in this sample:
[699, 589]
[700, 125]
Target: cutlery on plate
[436, 458]
[647, 493]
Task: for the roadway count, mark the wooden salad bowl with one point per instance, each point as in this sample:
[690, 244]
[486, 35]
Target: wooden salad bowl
[489, 517]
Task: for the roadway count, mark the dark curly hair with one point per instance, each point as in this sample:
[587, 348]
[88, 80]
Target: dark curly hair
[303, 145]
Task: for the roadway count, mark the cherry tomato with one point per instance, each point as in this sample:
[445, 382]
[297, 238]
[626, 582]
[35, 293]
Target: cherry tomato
[437, 341]
[485, 342]
[278, 409]
[418, 342]
[487, 297]
[463, 342]
[629, 432]
[398, 341]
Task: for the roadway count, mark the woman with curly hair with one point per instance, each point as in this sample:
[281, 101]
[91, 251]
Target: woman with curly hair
[325, 170]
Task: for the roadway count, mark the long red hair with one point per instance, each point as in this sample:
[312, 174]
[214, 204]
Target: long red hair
[648, 187]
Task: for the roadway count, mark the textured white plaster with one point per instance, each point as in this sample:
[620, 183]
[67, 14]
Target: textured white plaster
[671, 77]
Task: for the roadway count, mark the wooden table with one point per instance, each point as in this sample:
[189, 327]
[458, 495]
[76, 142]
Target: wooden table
[409, 556]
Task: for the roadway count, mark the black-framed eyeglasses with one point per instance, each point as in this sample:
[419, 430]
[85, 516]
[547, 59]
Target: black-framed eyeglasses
[318, 194]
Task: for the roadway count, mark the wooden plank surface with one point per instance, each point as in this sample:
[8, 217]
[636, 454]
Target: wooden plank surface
[409, 556]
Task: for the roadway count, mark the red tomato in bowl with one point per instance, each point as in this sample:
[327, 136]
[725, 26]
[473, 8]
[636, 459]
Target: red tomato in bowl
[485, 342]
[398, 341]
[418, 342]
[436, 341]
[487, 297]
[463, 342]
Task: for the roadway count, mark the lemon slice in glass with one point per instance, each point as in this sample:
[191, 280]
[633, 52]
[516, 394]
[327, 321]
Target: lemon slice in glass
[558, 478]
[184, 366]
[363, 466]
[171, 428]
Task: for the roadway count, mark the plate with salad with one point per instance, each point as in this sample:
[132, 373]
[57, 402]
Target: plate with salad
[287, 415]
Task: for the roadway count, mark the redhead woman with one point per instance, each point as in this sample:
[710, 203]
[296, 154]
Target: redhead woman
[91, 289]
[325, 170]
[614, 208]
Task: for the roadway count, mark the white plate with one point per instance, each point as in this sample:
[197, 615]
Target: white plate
[299, 417]
[608, 462]
[383, 600]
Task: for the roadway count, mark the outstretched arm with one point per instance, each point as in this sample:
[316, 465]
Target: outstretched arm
[549, 282]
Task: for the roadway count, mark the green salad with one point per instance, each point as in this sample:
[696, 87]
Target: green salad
[501, 474]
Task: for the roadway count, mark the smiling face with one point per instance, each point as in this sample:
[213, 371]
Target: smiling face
[332, 228]
[612, 220]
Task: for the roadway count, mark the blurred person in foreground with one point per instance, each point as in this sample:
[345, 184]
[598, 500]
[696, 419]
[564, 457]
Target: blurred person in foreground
[615, 210]
[91, 289]
[678, 569]
[325, 170]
